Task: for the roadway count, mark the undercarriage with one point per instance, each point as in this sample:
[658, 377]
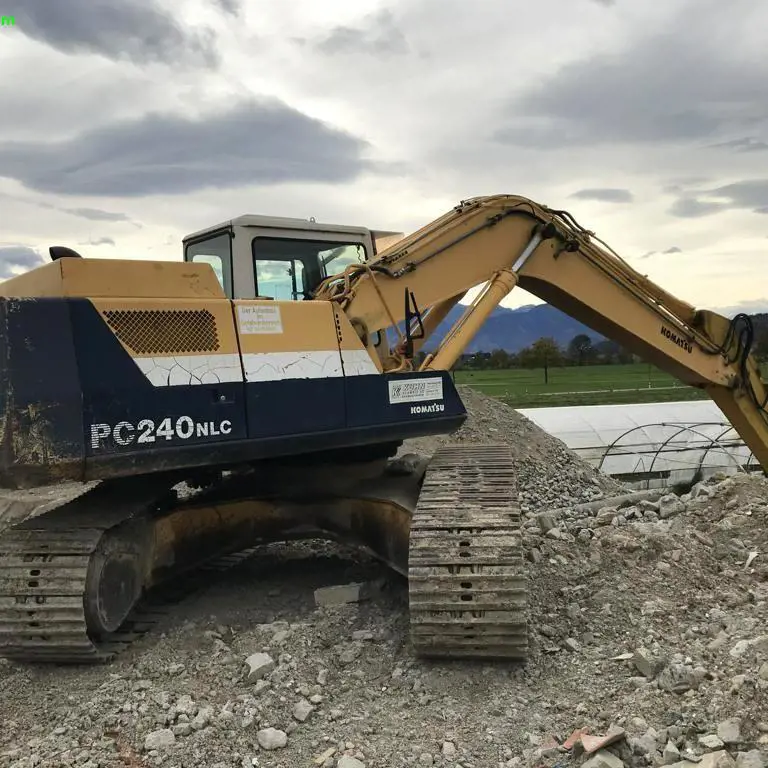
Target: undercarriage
[77, 582]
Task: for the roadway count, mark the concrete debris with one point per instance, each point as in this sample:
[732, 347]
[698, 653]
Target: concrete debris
[730, 731]
[719, 759]
[648, 647]
[755, 758]
[604, 759]
[349, 762]
[343, 594]
[272, 738]
[161, 739]
[259, 665]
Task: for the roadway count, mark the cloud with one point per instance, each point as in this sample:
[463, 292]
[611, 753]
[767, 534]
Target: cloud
[749, 194]
[257, 143]
[752, 193]
[377, 34]
[92, 214]
[18, 258]
[675, 85]
[232, 7]
[747, 144]
[693, 208]
[605, 195]
[133, 30]
[673, 249]
[100, 241]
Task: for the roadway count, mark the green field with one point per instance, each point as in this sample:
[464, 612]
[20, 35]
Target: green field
[580, 385]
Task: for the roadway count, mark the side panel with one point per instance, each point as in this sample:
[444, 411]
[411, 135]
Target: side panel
[421, 403]
[41, 435]
[292, 365]
[157, 375]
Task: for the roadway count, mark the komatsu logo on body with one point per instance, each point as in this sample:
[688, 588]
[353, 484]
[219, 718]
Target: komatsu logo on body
[124, 433]
[431, 408]
[679, 340]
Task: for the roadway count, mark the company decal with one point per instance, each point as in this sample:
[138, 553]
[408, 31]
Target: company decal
[124, 433]
[415, 390]
[679, 340]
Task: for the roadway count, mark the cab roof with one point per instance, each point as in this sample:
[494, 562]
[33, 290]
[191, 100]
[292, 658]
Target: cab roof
[287, 222]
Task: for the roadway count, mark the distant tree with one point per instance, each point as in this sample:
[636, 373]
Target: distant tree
[580, 349]
[543, 353]
[499, 359]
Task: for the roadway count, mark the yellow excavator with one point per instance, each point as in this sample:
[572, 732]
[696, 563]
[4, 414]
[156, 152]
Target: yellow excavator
[260, 390]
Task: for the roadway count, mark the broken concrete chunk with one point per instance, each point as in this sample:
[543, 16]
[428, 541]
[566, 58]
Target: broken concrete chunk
[449, 750]
[604, 759]
[671, 754]
[644, 662]
[271, 738]
[259, 665]
[678, 678]
[719, 759]
[302, 710]
[161, 739]
[343, 594]
[710, 741]
[730, 730]
[752, 759]
[349, 762]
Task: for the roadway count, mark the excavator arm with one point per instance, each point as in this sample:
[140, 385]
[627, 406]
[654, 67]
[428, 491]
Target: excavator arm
[503, 241]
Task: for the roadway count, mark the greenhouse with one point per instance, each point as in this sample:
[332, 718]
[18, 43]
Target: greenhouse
[650, 445]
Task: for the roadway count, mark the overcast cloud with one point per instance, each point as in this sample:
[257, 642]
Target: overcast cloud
[134, 30]
[15, 259]
[136, 122]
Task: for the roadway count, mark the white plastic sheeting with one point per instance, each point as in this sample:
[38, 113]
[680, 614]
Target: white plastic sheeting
[649, 445]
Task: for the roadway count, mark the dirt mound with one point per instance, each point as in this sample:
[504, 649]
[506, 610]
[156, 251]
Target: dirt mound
[648, 619]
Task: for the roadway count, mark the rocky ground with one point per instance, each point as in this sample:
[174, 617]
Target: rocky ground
[648, 628]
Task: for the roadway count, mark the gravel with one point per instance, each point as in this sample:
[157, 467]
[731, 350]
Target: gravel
[649, 624]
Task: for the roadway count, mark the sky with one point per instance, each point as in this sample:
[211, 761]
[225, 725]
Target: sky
[127, 125]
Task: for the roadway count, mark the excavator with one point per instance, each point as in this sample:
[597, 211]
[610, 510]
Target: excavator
[260, 390]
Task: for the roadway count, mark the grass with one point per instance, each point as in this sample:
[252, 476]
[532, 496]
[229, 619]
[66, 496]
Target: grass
[580, 385]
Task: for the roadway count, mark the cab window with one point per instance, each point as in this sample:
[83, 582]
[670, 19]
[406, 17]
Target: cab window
[280, 279]
[216, 251]
[291, 269]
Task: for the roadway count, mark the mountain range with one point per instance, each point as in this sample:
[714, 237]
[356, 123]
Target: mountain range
[515, 329]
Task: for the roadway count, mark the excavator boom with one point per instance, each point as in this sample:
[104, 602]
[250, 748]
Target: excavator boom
[508, 241]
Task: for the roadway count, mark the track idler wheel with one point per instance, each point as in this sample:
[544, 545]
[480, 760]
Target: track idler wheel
[114, 581]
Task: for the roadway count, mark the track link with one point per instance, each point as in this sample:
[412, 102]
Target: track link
[467, 587]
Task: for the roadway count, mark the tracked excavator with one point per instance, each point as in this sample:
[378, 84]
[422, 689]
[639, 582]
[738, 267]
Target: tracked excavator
[260, 390]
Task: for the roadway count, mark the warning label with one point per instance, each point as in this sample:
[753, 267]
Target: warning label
[259, 318]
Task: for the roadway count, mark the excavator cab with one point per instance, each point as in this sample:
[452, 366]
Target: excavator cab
[281, 258]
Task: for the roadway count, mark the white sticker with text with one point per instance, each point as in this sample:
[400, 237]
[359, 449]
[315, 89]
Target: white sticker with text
[259, 318]
[415, 390]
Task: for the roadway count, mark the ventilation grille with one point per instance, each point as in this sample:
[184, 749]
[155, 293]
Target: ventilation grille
[165, 332]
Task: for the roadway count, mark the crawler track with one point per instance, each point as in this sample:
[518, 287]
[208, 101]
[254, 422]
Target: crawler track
[467, 586]
[44, 572]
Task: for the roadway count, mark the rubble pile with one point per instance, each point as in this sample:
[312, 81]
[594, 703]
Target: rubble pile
[649, 648]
